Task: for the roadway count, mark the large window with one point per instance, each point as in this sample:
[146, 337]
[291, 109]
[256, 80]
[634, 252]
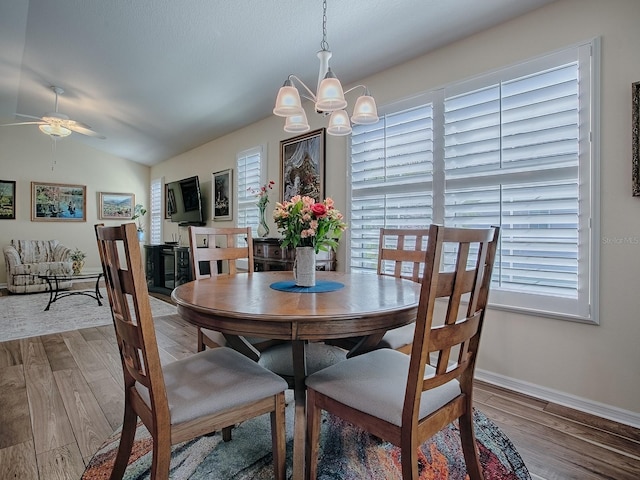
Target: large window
[513, 148]
[249, 165]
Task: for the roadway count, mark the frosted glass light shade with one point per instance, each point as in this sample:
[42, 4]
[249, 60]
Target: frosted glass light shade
[365, 111]
[297, 124]
[55, 130]
[339, 123]
[330, 96]
[288, 102]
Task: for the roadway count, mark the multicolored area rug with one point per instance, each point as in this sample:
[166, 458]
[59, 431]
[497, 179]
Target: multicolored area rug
[348, 453]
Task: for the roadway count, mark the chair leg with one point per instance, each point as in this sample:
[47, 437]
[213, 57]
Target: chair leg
[161, 460]
[278, 438]
[127, 437]
[469, 447]
[313, 436]
[226, 434]
[409, 459]
[201, 346]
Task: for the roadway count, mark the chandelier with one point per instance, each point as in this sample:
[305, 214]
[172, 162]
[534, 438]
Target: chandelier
[328, 99]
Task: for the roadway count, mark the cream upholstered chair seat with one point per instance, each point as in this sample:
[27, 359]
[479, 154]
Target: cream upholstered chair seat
[26, 259]
[376, 384]
[198, 385]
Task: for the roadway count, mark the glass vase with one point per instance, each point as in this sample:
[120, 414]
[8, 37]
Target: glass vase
[263, 228]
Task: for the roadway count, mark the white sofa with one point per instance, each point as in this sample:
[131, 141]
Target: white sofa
[26, 259]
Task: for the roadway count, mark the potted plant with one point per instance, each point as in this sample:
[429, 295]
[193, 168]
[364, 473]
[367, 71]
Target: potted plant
[138, 212]
[77, 256]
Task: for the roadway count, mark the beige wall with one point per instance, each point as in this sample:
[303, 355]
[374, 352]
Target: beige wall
[600, 364]
[26, 155]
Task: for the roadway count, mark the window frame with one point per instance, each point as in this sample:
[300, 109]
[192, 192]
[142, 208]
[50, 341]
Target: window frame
[585, 308]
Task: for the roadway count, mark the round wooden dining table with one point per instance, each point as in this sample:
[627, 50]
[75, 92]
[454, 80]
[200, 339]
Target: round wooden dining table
[248, 305]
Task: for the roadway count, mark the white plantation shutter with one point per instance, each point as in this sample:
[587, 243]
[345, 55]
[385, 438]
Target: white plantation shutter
[249, 165]
[156, 211]
[391, 180]
[511, 148]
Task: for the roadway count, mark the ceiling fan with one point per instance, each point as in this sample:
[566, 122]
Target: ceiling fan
[56, 124]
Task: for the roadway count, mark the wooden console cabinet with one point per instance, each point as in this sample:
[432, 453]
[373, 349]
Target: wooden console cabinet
[268, 255]
[167, 266]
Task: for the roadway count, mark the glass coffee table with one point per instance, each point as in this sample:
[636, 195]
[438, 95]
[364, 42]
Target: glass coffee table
[54, 280]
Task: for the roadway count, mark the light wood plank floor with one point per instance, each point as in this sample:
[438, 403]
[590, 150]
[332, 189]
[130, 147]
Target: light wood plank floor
[61, 396]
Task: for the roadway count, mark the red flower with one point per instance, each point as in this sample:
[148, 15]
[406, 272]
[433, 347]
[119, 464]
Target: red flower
[319, 210]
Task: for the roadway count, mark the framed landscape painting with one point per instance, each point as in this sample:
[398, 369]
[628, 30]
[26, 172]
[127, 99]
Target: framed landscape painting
[7, 200]
[302, 166]
[222, 205]
[58, 202]
[116, 206]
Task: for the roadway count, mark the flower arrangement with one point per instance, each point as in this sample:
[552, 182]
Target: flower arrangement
[307, 223]
[138, 212]
[263, 193]
[77, 255]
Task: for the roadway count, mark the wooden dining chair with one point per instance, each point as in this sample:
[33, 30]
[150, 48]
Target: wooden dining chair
[402, 398]
[199, 394]
[215, 251]
[401, 254]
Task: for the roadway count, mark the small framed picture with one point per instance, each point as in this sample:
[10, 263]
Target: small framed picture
[116, 206]
[222, 201]
[7, 200]
[302, 166]
[169, 201]
[58, 202]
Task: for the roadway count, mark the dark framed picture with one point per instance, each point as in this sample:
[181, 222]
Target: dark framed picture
[169, 201]
[635, 134]
[116, 206]
[7, 200]
[302, 166]
[222, 202]
[58, 202]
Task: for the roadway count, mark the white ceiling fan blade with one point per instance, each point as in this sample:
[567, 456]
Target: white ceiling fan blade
[82, 129]
[22, 123]
[28, 116]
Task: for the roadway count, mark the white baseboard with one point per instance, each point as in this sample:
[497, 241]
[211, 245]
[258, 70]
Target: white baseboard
[561, 398]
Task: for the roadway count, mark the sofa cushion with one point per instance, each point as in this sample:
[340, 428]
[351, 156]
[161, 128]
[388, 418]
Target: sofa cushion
[35, 251]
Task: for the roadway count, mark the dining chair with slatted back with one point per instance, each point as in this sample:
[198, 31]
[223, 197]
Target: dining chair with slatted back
[401, 398]
[218, 251]
[401, 253]
[196, 395]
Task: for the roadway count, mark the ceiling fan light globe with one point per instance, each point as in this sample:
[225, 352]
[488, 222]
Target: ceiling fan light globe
[288, 102]
[55, 130]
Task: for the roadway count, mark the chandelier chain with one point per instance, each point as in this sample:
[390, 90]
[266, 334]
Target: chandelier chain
[324, 45]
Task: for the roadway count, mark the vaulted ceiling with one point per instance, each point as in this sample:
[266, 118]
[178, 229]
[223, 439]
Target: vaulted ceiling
[160, 77]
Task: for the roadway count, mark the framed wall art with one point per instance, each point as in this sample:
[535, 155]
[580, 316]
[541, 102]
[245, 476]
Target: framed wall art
[169, 202]
[58, 202]
[302, 165]
[116, 206]
[7, 200]
[222, 202]
[635, 135]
